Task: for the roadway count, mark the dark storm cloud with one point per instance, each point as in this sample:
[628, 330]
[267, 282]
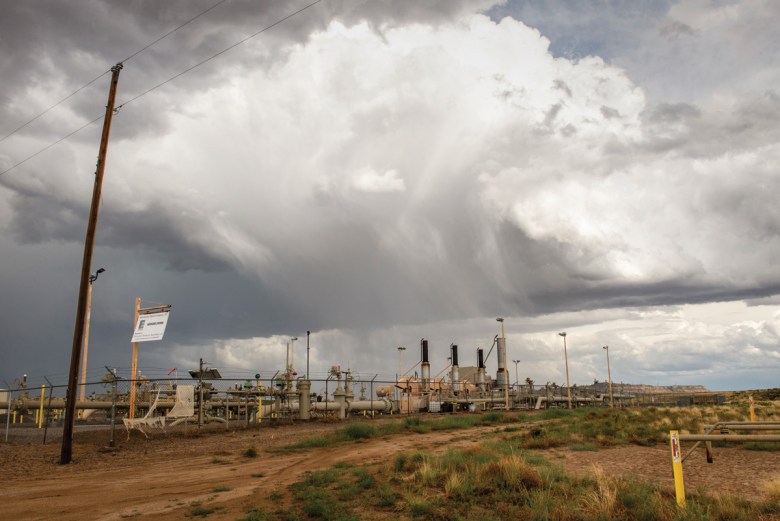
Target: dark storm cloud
[71, 44]
[359, 173]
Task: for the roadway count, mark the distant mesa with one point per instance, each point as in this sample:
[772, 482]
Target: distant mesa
[643, 388]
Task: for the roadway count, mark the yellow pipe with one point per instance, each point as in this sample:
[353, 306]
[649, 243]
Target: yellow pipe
[40, 409]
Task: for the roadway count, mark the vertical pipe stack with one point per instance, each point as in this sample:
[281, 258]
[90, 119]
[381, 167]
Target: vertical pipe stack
[426, 366]
[501, 375]
[481, 369]
[304, 399]
[455, 376]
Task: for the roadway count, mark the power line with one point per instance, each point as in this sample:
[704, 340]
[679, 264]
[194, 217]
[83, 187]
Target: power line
[47, 147]
[244, 40]
[17, 129]
[223, 51]
[174, 30]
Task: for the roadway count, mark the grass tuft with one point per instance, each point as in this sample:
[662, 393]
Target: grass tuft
[358, 431]
[250, 452]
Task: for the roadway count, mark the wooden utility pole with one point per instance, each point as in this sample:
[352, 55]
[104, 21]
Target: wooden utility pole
[86, 266]
[85, 354]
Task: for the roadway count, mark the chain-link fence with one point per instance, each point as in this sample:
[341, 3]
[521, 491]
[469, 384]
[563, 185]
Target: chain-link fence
[36, 414]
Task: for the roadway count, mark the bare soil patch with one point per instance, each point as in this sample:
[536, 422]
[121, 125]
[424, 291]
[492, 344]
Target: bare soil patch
[734, 471]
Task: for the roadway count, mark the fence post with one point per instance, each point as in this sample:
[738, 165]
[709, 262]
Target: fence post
[8, 416]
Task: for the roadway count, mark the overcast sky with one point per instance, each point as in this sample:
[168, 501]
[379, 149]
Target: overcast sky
[381, 171]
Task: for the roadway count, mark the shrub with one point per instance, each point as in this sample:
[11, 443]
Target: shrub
[386, 497]
[492, 417]
[202, 512]
[254, 514]
[250, 452]
[358, 431]
[364, 479]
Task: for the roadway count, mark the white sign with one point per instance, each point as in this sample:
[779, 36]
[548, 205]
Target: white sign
[150, 327]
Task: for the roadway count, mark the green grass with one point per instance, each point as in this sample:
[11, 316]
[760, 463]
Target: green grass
[362, 431]
[358, 431]
[595, 428]
[330, 494]
[505, 477]
[221, 489]
[255, 514]
[202, 512]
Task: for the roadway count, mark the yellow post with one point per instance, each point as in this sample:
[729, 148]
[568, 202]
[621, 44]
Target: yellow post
[40, 409]
[752, 410]
[679, 485]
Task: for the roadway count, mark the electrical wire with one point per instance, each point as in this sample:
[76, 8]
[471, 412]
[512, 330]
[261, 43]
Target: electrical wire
[223, 51]
[244, 40]
[17, 129]
[174, 30]
[47, 147]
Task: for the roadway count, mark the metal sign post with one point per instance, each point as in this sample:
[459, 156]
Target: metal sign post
[149, 325]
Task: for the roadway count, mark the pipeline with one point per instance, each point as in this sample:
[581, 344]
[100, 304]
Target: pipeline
[729, 437]
[562, 399]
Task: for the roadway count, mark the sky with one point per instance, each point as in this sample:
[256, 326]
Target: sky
[376, 172]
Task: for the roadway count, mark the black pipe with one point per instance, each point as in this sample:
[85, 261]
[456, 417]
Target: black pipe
[454, 349]
[424, 345]
[480, 358]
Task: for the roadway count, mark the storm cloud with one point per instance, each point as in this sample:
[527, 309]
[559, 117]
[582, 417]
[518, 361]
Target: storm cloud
[376, 173]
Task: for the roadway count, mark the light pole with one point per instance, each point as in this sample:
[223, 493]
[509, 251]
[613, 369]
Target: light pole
[92, 279]
[308, 333]
[517, 378]
[292, 352]
[401, 361]
[566, 358]
[506, 378]
[292, 363]
[609, 375]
